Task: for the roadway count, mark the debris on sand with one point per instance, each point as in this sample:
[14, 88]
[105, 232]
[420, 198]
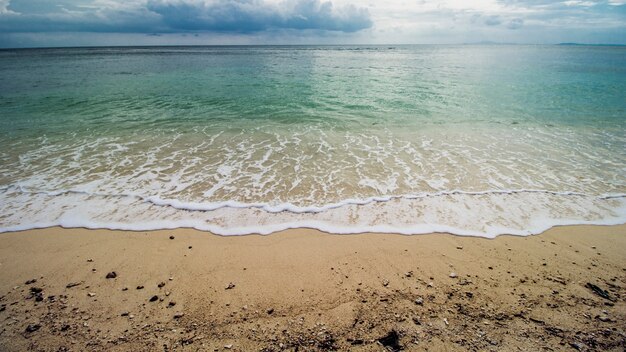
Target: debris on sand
[111, 275]
[598, 291]
[32, 328]
[391, 341]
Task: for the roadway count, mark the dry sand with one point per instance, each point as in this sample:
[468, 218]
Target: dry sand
[305, 290]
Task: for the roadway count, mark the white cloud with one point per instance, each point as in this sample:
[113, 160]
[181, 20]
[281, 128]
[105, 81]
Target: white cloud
[4, 7]
[579, 3]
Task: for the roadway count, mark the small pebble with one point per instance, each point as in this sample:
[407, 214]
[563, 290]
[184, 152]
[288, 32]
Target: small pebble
[32, 327]
[604, 318]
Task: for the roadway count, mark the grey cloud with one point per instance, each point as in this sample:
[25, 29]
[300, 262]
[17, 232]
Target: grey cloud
[256, 15]
[569, 14]
[171, 16]
[493, 21]
[515, 23]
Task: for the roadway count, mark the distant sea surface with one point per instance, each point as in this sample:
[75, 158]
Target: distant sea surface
[472, 140]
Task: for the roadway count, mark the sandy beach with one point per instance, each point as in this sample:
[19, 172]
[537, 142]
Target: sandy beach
[305, 290]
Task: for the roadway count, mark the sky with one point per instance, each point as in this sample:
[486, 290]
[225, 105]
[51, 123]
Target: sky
[45, 23]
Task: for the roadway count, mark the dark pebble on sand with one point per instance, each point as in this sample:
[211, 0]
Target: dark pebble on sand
[31, 281]
[161, 284]
[32, 327]
[111, 275]
[270, 311]
[154, 298]
[140, 287]
[172, 237]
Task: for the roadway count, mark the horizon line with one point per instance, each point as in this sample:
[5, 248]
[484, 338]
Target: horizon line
[484, 43]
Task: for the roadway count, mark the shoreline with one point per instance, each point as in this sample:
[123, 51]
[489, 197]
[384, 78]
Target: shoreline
[311, 229]
[309, 290]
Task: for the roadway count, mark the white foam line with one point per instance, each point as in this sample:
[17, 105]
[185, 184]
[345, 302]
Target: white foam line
[289, 207]
[418, 229]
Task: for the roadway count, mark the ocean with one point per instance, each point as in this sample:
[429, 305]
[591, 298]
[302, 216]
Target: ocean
[477, 140]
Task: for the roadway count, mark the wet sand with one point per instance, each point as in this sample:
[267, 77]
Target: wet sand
[305, 290]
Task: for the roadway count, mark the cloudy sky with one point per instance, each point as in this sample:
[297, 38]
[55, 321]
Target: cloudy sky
[26, 23]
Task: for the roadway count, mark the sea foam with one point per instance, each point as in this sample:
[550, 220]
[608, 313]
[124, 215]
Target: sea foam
[484, 214]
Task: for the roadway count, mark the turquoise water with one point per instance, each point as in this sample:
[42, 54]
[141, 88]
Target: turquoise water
[478, 140]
